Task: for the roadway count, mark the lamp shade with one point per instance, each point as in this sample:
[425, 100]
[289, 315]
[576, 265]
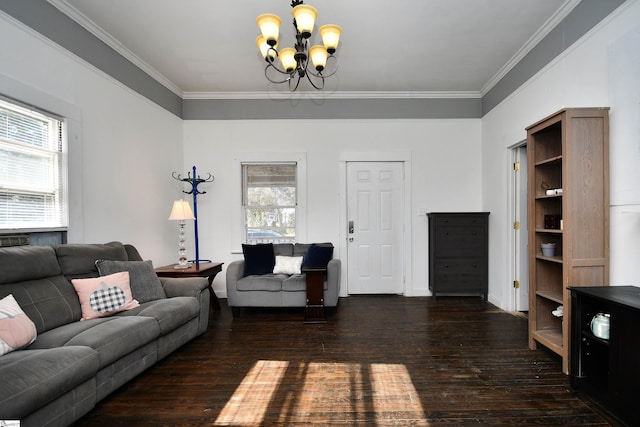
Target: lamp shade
[305, 17]
[318, 56]
[330, 37]
[270, 27]
[265, 49]
[287, 57]
[181, 210]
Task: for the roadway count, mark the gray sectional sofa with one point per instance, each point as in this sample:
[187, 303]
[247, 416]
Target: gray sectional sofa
[73, 363]
[266, 289]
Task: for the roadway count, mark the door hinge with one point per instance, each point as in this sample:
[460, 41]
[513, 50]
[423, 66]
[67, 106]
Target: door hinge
[516, 166]
[516, 284]
[516, 225]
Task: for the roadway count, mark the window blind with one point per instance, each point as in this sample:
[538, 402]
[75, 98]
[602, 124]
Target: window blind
[32, 177]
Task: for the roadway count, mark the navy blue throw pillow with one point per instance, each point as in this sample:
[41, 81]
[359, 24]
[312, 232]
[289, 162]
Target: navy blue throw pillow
[258, 259]
[317, 256]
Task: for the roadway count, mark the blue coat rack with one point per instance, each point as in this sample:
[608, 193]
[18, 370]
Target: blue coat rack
[195, 180]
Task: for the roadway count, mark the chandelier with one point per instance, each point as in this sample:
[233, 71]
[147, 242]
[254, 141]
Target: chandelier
[300, 61]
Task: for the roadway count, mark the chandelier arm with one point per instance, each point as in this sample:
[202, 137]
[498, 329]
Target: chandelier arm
[294, 88]
[323, 75]
[315, 86]
[266, 74]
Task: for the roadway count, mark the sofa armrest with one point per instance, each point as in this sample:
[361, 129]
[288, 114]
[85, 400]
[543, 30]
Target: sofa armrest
[197, 287]
[235, 272]
[184, 286]
[333, 282]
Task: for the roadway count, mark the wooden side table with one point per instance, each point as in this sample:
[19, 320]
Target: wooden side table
[203, 269]
[314, 310]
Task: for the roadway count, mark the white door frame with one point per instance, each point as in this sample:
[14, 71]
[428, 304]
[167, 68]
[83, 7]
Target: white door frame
[513, 266]
[391, 156]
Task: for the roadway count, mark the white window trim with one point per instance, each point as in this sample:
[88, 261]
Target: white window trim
[72, 150]
[237, 232]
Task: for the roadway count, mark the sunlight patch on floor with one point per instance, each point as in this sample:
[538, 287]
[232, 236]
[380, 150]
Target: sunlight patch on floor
[324, 393]
[251, 399]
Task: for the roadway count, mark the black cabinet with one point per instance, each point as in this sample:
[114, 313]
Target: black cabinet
[459, 253]
[607, 370]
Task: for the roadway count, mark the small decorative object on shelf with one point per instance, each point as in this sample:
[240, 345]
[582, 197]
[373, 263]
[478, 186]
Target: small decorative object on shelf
[600, 325]
[548, 249]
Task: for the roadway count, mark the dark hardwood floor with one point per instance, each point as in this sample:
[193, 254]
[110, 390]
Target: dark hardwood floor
[378, 361]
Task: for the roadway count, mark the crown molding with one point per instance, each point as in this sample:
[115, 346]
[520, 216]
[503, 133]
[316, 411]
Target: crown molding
[537, 37]
[333, 95]
[73, 13]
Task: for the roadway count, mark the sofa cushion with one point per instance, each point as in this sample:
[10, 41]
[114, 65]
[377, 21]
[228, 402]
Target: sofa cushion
[33, 378]
[287, 265]
[318, 256]
[49, 302]
[258, 259]
[104, 296]
[145, 284]
[112, 337]
[79, 260]
[16, 329]
[170, 313]
[265, 282]
[22, 263]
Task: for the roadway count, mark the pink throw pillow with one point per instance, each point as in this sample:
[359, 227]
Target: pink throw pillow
[104, 296]
[16, 329]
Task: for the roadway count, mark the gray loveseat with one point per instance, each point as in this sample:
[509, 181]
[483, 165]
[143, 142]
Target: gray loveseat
[266, 289]
[73, 363]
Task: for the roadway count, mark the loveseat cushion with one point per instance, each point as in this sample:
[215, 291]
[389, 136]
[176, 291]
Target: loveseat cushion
[33, 378]
[170, 313]
[283, 249]
[265, 282]
[317, 256]
[112, 337]
[79, 260]
[258, 259]
[297, 283]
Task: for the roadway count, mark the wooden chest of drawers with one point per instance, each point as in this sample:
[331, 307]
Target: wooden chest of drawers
[459, 253]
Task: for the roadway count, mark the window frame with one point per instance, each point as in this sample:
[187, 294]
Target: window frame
[60, 189]
[247, 206]
[238, 222]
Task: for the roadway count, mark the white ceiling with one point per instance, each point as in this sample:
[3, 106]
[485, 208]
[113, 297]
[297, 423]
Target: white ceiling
[206, 48]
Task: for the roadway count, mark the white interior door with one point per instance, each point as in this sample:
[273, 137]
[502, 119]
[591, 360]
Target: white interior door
[374, 220]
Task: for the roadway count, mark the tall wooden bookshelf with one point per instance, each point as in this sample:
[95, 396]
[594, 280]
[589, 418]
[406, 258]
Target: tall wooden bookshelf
[568, 164]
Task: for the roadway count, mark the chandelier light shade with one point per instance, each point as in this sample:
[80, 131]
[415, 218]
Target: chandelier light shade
[269, 27]
[301, 61]
[181, 211]
[305, 16]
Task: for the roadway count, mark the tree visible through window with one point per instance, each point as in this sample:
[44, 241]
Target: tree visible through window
[269, 202]
[32, 174]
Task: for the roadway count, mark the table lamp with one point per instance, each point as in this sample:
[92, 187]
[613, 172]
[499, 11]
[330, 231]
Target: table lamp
[181, 211]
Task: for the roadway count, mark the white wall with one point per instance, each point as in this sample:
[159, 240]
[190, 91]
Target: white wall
[578, 78]
[446, 174]
[123, 147]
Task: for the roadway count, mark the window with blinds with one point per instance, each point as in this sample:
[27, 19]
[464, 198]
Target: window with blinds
[32, 174]
[269, 202]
